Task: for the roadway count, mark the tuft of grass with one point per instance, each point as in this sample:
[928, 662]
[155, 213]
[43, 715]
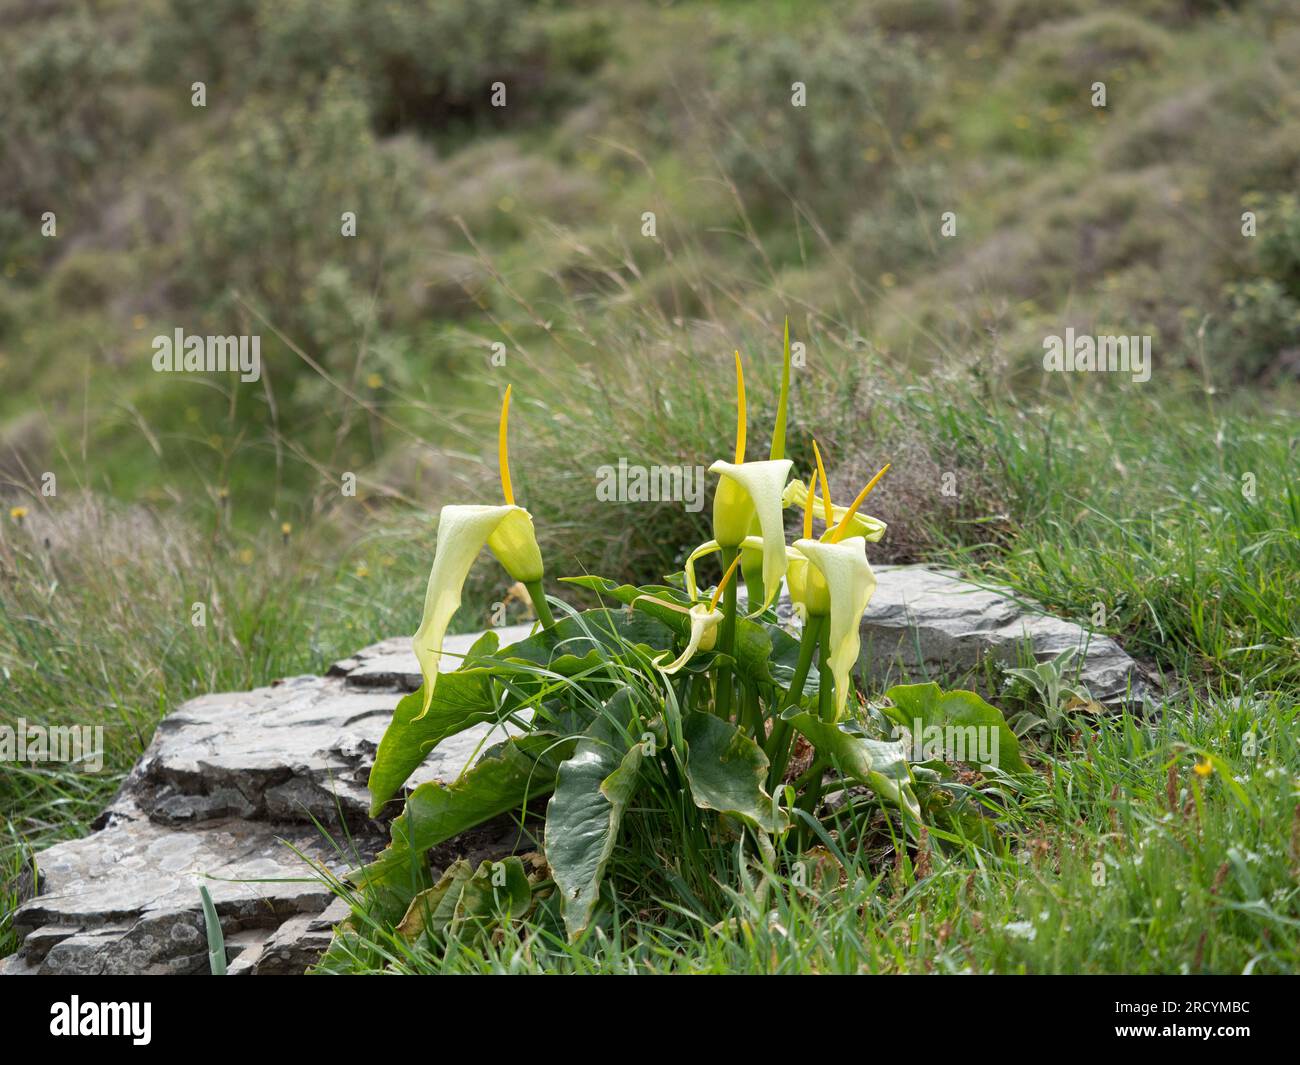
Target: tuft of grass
[114, 615]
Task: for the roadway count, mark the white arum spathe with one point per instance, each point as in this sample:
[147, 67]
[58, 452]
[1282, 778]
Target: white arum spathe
[507, 530]
[763, 483]
[705, 620]
[850, 580]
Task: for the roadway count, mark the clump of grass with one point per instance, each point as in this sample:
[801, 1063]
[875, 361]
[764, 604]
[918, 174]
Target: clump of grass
[99, 628]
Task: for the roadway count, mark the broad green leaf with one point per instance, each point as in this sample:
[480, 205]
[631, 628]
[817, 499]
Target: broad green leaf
[505, 778]
[498, 891]
[879, 764]
[592, 791]
[578, 643]
[432, 909]
[924, 706]
[726, 771]
[460, 699]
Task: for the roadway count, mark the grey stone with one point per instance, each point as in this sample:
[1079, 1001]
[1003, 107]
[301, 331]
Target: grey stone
[300, 750]
[924, 622]
[231, 785]
[921, 623]
[125, 899]
[391, 663]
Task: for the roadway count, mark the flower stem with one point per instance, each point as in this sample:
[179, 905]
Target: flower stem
[727, 636]
[812, 794]
[751, 715]
[826, 679]
[543, 608]
[778, 744]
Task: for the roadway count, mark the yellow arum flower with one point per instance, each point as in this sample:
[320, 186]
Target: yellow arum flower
[849, 583]
[508, 533]
[869, 528]
[840, 530]
[749, 493]
[705, 619]
[703, 637]
[834, 579]
[760, 485]
[808, 590]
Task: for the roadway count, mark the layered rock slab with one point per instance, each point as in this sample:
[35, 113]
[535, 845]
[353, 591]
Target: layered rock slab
[230, 793]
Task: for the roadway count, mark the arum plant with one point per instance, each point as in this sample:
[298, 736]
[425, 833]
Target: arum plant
[463, 531]
[655, 697]
[748, 494]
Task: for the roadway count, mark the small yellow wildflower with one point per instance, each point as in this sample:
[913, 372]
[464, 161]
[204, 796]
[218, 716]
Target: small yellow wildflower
[18, 513]
[1204, 768]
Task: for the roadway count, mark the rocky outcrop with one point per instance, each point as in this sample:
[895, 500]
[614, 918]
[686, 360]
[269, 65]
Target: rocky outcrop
[925, 623]
[243, 792]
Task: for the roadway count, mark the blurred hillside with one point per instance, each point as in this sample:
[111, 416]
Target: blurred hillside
[524, 225]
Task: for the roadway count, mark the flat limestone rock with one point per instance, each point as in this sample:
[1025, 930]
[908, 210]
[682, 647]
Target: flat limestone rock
[231, 785]
[932, 622]
[126, 898]
[299, 750]
[391, 663]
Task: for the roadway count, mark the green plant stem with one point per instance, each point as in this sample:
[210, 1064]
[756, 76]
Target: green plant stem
[750, 714]
[778, 744]
[826, 679]
[813, 790]
[728, 636]
[538, 595]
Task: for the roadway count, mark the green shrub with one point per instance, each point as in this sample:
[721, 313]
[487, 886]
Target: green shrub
[1062, 60]
[1261, 320]
[1261, 312]
[1279, 243]
[66, 122]
[863, 96]
[267, 208]
[1014, 18]
[429, 63]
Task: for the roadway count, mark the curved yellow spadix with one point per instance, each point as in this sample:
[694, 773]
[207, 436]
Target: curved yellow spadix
[741, 415]
[503, 450]
[828, 511]
[843, 525]
[750, 489]
[869, 528]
